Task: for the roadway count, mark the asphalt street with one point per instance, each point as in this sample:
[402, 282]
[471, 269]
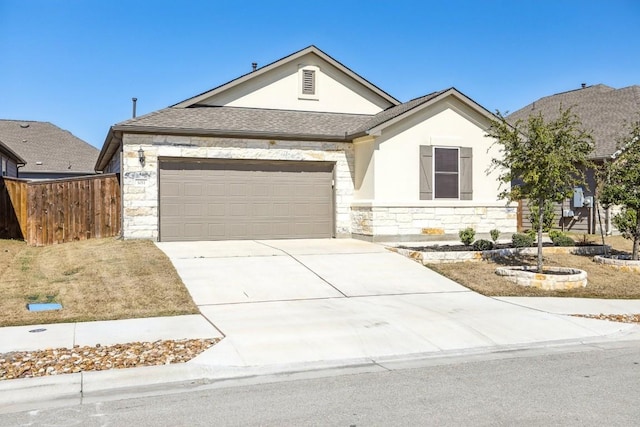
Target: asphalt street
[581, 386]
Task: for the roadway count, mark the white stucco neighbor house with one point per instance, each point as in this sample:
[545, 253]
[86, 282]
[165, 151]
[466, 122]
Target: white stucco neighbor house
[306, 148]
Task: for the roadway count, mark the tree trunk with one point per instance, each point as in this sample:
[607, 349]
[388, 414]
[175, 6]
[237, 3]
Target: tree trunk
[540, 225]
[636, 237]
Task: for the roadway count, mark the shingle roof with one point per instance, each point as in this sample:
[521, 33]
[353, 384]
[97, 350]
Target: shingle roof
[238, 120]
[603, 111]
[58, 150]
[395, 111]
[267, 122]
[4, 149]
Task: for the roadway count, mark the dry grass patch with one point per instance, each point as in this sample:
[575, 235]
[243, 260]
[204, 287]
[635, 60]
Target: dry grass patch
[96, 279]
[604, 281]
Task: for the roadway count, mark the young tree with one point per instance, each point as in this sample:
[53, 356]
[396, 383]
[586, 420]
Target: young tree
[541, 161]
[621, 186]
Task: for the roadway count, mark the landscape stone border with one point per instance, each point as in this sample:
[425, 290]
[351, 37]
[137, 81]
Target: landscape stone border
[475, 256]
[570, 278]
[621, 262]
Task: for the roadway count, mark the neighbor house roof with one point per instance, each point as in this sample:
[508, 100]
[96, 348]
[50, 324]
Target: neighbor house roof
[46, 148]
[287, 59]
[12, 154]
[603, 110]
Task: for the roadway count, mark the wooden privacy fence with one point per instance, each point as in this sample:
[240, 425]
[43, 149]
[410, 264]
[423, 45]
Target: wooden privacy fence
[62, 210]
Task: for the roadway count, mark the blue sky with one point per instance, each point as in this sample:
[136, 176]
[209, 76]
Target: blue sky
[78, 63]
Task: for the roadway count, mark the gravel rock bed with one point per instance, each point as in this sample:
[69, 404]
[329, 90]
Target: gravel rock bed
[28, 364]
[624, 318]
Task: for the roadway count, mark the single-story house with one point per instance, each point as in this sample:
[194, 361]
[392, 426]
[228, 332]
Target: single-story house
[10, 161]
[306, 148]
[605, 112]
[48, 152]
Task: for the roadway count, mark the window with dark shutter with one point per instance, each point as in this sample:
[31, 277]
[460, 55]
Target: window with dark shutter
[308, 82]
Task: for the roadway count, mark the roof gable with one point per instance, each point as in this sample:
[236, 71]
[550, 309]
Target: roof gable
[276, 86]
[403, 111]
[603, 110]
[47, 148]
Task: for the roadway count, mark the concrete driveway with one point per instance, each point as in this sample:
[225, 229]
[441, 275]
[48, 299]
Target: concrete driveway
[303, 301]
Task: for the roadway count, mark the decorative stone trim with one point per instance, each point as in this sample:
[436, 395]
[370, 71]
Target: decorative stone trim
[621, 262]
[475, 256]
[570, 278]
[404, 219]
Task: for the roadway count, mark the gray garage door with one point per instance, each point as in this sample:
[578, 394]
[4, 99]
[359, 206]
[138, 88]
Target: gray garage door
[229, 199]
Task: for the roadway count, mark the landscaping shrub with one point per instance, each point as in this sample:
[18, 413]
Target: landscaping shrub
[522, 240]
[532, 233]
[495, 235]
[482, 245]
[563, 240]
[547, 219]
[467, 236]
[555, 233]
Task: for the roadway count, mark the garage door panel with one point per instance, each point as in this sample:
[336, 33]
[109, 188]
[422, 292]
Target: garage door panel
[262, 210]
[193, 230]
[172, 210]
[216, 231]
[216, 209]
[215, 189]
[193, 189]
[214, 200]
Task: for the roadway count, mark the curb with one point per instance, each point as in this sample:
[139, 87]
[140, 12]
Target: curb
[115, 384]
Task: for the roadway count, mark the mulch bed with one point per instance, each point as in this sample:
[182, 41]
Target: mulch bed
[28, 364]
[460, 248]
[624, 318]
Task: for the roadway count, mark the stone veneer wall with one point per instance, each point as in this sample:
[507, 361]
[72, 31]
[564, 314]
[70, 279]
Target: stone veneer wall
[140, 183]
[423, 221]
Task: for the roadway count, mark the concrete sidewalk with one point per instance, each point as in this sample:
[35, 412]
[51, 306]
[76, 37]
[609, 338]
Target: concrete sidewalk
[291, 306]
[67, 335]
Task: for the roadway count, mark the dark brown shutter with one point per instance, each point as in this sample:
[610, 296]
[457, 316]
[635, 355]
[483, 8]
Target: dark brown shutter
[426, 172]
[466, 173]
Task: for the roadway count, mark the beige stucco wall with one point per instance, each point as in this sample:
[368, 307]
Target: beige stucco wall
[140, 183]
[397, 152]
[279, 89]
[364, 149]
[387, 189]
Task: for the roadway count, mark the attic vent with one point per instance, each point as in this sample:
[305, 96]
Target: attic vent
[24, 125]
[308, 82]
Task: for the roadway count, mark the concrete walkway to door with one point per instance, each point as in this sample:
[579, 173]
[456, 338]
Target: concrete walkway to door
[289, 302]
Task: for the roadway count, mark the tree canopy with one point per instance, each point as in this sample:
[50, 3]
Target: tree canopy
[541, 161]
[621, 186]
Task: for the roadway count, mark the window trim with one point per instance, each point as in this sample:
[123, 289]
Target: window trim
[434, 172]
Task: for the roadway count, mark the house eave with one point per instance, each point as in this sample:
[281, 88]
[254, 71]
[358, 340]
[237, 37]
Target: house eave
[221, 133]
[109, 148]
